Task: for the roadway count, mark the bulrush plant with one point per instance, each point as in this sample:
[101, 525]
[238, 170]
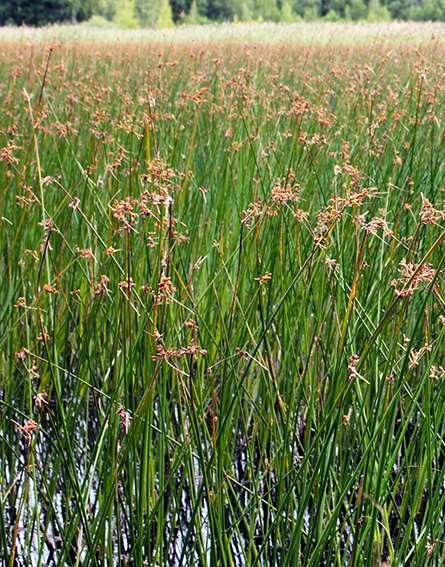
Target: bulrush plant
[222, 318]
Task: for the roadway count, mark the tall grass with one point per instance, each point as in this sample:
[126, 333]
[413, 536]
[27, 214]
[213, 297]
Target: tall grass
[302, 33]
[222, 316]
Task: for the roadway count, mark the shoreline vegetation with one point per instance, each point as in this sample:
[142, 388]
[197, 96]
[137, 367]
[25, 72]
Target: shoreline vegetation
[222, 310]
[163, 14]
[305, 33]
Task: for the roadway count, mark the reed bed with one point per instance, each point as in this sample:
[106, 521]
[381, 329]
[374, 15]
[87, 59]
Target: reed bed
[222, 311]
[303, 33]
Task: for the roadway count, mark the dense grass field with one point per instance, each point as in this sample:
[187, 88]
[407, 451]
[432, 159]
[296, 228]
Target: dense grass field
[222, 310]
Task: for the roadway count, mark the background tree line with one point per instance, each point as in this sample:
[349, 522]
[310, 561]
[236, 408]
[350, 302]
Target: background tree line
[166, 13]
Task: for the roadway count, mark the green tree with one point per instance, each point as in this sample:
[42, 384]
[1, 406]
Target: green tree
[331, 16]
[428, 10]
[400, 9]
[35, 12]
[165, 18]
[377, 12]
[306, 7]
[267, 10]
[337, 6]
[125, 16]
[356, 10]
[243, 10]
[105, 8]
[286, 13]
[222, 10]
[147, 12]
[193, 17]
[81, 10]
